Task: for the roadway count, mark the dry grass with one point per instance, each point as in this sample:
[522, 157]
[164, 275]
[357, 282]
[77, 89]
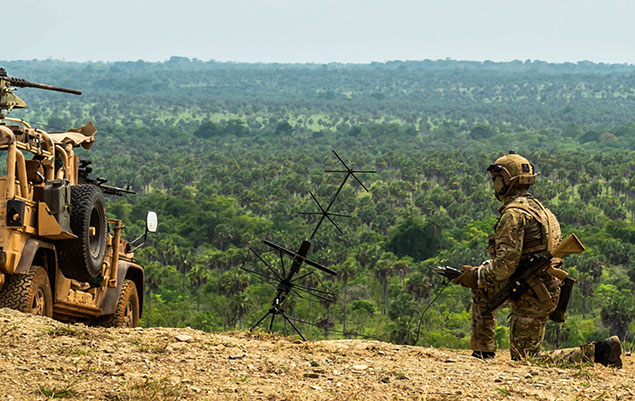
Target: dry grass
[45, 359]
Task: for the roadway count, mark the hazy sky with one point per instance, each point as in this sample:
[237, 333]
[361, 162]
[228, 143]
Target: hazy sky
[320, 31]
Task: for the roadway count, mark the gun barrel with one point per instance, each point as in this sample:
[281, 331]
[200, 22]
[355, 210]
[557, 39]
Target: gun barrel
[23, 83]
[111, 190]
[448, 272]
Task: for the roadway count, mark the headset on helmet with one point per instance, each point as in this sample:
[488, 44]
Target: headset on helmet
[513, 170]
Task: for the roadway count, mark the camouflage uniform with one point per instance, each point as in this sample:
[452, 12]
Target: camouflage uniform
[525, 227]
[583, 353]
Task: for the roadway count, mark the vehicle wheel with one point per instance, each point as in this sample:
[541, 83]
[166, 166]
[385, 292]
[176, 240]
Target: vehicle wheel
[82, 258]
[127, 312]
[30, 293]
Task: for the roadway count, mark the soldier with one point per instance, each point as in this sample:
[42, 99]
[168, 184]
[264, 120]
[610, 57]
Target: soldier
[525, 227]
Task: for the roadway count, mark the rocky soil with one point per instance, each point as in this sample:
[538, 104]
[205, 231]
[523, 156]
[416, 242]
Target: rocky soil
[44, 359]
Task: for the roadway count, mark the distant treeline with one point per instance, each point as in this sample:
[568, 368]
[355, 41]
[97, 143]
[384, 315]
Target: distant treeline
[514, 95]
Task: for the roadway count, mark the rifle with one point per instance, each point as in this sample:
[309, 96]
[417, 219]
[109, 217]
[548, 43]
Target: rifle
[84, 171]
[523, 278]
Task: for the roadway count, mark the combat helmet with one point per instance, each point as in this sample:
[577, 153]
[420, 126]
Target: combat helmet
[511, 171]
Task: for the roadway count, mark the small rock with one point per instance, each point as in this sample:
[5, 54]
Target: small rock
[314, 364]
[317, 388]
[498, 380]
[336, 372]
[385, 379]
[360, 367]
[381, 352]
[177, 345]
[312, 375]
[449, 361]
[184, 338]
[237, 356]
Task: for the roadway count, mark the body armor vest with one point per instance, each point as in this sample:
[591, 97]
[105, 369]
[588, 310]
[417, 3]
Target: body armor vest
[550, 235]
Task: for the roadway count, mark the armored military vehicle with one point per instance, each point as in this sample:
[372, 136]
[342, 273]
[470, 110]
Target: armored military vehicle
[60, 256]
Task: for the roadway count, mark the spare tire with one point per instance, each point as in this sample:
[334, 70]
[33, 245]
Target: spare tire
[82, 258]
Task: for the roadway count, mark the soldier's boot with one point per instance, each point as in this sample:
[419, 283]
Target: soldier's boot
[483, 354]
[608, 352]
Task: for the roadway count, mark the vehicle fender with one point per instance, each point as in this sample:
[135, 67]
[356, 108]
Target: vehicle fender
[29, 251]
[127, 270]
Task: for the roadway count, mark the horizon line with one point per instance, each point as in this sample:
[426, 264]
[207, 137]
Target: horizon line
[211, 60]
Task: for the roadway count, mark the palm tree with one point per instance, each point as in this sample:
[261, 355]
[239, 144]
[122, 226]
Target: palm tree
[199, 275]
[383, 269]
[346, 271]
[419, 285]
[184, 261]
[402, 267]
[231, 285]
[153, 278]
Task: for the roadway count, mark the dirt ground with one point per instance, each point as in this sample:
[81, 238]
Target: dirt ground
[44, 359]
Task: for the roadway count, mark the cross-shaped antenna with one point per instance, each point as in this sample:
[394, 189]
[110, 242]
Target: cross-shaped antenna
[325, 212]
[286, 281]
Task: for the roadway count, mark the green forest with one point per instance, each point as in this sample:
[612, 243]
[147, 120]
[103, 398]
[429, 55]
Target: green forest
[228, 154]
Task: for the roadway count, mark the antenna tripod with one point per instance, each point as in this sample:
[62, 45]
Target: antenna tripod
[287, 282]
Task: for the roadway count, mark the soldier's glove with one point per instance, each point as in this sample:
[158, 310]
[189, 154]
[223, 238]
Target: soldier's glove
[468, 277]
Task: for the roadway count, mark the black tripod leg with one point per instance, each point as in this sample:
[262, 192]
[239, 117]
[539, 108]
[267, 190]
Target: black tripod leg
[273, 315]
[258, 322]
[292, 325]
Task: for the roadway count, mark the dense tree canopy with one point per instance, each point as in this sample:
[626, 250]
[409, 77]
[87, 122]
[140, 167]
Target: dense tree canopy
[228, 154]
